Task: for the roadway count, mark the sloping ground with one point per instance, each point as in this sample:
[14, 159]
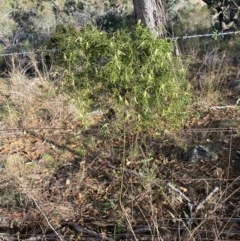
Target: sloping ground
[62, 181]
[195, 3]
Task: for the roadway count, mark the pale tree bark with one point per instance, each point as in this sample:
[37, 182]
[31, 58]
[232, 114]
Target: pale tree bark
[153, 14]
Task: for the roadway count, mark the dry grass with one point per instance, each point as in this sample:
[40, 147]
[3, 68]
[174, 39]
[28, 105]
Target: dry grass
[61, 177]
[89, 178]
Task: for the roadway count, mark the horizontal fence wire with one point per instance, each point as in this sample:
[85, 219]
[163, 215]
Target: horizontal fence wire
[220, 129]
[17, 131]
[24, 132]
[218, 34]
[185, 37]
[77, 184]
[25, 53]
[34, 128]
[202, 130]
[231, 221]
[213, 218]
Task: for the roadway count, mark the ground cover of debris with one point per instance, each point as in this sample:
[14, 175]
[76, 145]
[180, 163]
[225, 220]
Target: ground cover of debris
[60, 181]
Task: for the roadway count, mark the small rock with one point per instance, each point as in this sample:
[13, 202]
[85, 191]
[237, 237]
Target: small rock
[45, 114]
[198, 153]
[2, 167]
[234, 86]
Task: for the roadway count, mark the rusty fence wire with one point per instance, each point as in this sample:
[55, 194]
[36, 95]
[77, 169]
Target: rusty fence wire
[6, 134]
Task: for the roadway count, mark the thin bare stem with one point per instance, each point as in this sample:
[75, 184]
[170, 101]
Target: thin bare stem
[200, 205]
[46, 218]
[179, 192]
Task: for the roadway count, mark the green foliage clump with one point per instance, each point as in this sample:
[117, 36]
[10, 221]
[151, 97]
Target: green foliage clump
[132, 68]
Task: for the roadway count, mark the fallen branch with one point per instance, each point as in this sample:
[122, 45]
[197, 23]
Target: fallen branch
[138, 174]
[200, 205]
[179, 192]
[226, 106]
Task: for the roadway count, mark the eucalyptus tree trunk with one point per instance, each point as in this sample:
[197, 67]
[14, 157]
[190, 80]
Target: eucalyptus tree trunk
[153, 14]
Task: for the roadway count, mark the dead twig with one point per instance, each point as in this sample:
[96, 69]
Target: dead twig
[58, 235]
[191, 219]
[138, 174]
[200, 205]
[179, 192]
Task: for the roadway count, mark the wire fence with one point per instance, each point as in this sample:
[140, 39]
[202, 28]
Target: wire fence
[185, 37]
[25, 53]
[68, 190]
[63, 192]
[217, 34]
